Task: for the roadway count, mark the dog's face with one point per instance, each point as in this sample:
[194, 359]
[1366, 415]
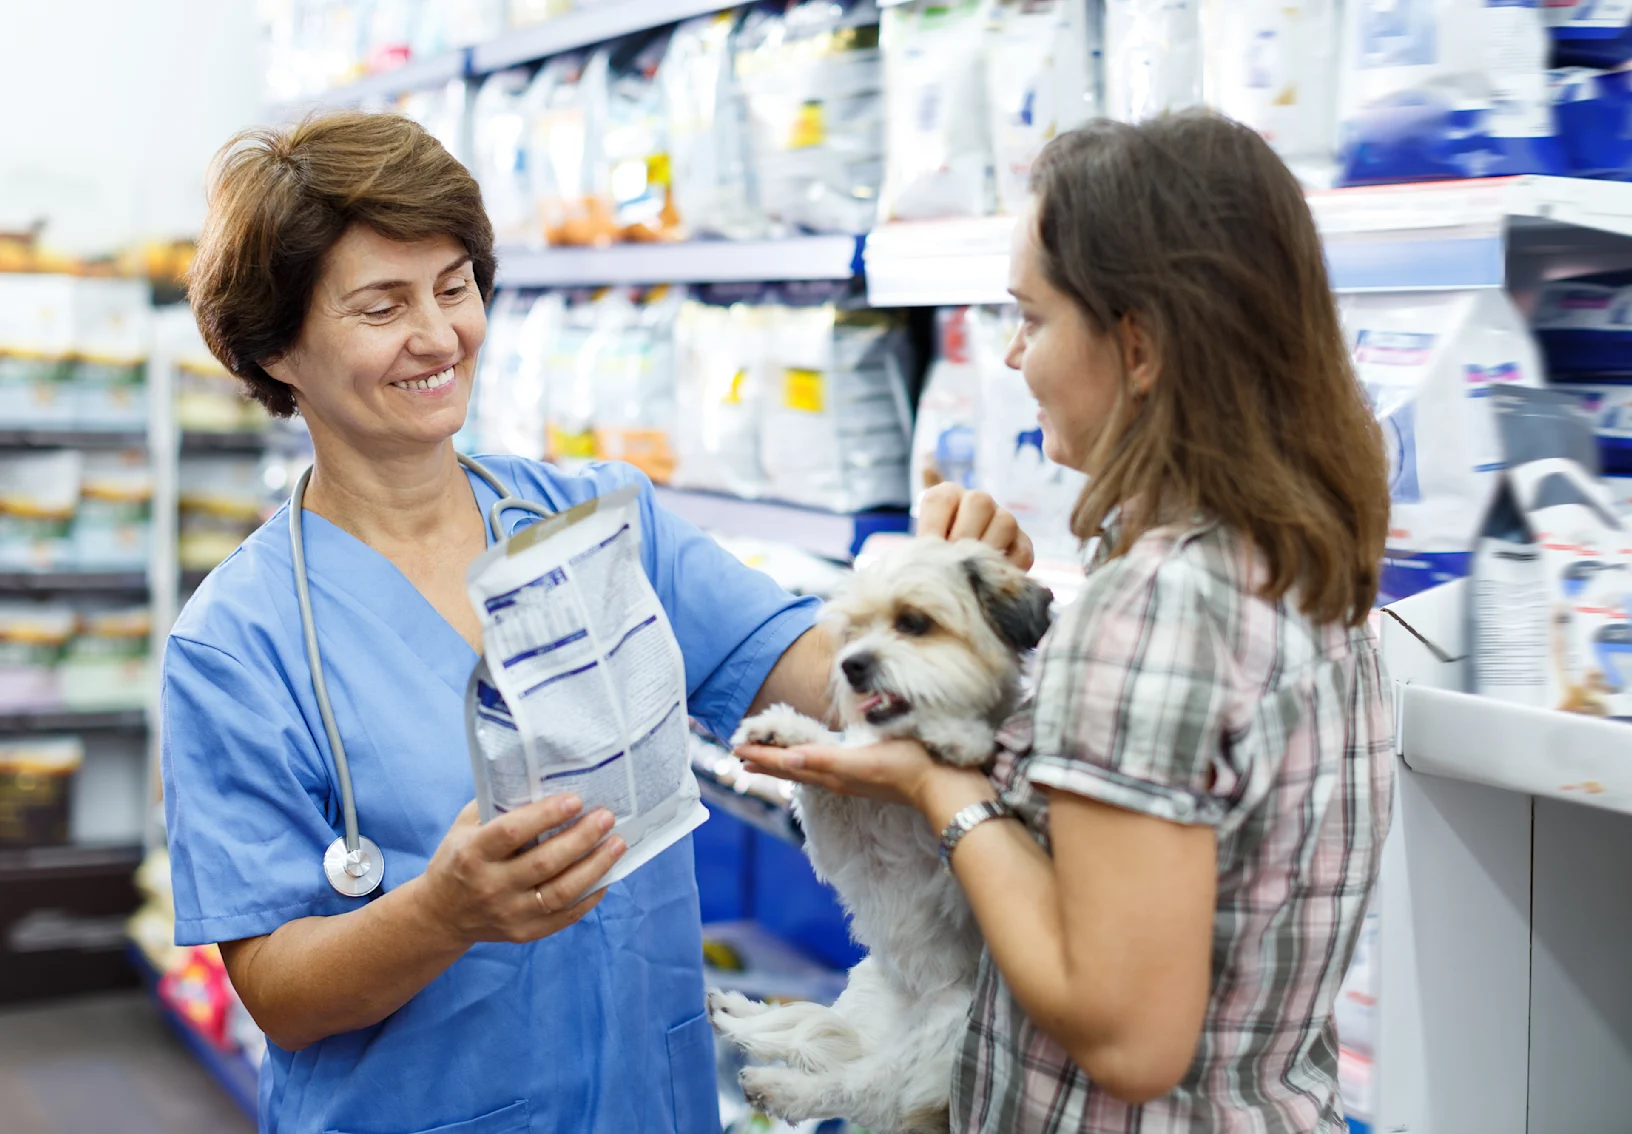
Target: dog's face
[933, 629]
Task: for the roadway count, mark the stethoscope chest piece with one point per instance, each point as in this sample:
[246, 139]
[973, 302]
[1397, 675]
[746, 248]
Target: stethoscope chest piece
[355, 874]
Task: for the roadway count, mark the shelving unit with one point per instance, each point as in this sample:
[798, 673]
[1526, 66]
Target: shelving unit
[70, 439]
[697, 261]
[236, 1075]
[834, 535]
[73, 582]
[114, 720]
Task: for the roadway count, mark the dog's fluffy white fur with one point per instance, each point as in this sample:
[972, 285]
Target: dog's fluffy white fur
[931, 640]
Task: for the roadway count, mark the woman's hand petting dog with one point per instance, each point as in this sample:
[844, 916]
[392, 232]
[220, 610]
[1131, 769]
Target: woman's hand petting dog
[952, 513]
[894, 771]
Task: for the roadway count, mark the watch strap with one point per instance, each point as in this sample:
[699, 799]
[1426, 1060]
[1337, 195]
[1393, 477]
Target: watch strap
[967, 820]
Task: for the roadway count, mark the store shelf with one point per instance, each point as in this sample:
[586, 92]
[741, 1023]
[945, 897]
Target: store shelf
[835, 535]
[71, 439]
[115, 720]
[761, 814]
[1539, 752]
[697, 261]
[200, 441]
[29, 862]
[1425, 236]
[587, 26]
[49, 582]
[237, 1076]
[386, 86]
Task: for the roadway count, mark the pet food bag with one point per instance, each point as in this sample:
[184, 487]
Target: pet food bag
[1438, 89]
[1009, 460]
[105, 666]
[39, 494]
[943, 437]
[220, 503]
[635, 407]
[813, 81]
[33, 637]
[634, 146]
[707, 125]
[722, 336]
[499, 143]
[1591, 109]
[582, 686]
[1426, 360]
[571, 354]
[937, 158]
[1043, 77]
[1553, 572]
[1584, 325]
[36, 776]
[835, 422]
[566, 112]
[509, 404]
[1272, 64]
[112, 525]
[1590, 33]
[1153, 57]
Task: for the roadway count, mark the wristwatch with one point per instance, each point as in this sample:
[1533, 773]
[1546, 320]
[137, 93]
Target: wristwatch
[967, 820]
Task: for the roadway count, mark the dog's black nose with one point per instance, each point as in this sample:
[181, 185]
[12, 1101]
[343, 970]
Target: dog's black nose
[859, 669]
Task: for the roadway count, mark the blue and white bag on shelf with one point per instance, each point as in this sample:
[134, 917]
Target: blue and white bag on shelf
[1609, 405]
[1591, 109]
[1591, 33]
[1427, 360]
[1584, 326]
[1445, 89]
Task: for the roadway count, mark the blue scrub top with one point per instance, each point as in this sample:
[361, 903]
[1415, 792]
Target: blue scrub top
[599, 1028]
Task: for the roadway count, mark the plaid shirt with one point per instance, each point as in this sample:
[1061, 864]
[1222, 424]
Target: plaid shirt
[1171, 688]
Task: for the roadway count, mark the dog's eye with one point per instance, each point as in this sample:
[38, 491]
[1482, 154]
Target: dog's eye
[913, 623]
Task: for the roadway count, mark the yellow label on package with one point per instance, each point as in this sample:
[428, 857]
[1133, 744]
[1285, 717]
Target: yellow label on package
[733, 396]
[571, 445]
[802, 389]
[809, 127]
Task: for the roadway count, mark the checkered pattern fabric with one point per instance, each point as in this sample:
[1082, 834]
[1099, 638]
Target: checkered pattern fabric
[1172, 688]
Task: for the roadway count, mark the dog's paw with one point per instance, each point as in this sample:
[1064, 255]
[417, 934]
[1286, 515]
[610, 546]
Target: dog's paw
[780, 1092]
[780, 726]
[723, 1006]
[961, 743]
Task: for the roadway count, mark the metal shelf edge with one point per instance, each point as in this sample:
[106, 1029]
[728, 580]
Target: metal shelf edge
[70, 720]
[582, 29]
[683, 262]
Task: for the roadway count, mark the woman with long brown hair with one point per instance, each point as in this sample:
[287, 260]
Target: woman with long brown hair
[1199, 790]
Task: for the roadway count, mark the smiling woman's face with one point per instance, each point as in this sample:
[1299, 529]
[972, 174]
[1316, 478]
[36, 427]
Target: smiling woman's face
[387, 352]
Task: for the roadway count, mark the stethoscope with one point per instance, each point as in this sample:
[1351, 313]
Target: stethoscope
[353, 864]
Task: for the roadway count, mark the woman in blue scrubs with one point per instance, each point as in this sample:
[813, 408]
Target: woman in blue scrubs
[342, 274]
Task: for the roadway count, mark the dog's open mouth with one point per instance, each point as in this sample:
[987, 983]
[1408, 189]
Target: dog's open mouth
[880, 708]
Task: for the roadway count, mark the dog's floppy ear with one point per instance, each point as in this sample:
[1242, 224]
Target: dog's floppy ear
[1016, 606]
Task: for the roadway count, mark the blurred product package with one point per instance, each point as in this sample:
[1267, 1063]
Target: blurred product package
[1009, 460]
[722, 339]
[105, 666]
[36, 776]
[1043, 74]
[1590, 33]
[636, 168]
[1591, 108]
[1553, 573]
[835, 422]
[220, 501]
[713, 189]
[73, 352]
[509, 402]
[1153, 57]
[39, 495]
[937, 152]
[635, 405]
[1437, 89]
[943, 436]
[112, 525]
[33, 639]
[1427, 361]
[813, 81]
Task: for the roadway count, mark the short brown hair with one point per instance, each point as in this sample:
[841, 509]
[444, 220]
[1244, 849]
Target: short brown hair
[1190, 225]
[279, 199]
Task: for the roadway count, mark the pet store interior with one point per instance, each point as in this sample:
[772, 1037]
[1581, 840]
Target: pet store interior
[761, 252]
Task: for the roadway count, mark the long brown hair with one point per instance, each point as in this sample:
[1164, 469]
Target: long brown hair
[1190, 226]
[279, 199]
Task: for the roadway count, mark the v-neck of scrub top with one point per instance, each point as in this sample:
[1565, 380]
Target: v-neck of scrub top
[385, 592]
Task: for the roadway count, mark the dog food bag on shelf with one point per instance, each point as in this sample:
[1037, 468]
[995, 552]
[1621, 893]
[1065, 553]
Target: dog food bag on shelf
[1153, 57]
[1043, 77]
[113, 335]
[635, 406]
[566, 109]
[1009, 460]
[1591, 108]
[937, 157]
[634, 147]
[1273, 65]
[220, 502]
[722, 335]
[1445, 89]
[1553, 573]
[1590, 33]
[113, 523]
[33, 637]
[570, 359]
[509, 408]
[943, 437]
[106, 664]
[708, 132]
[36, 776]
[39, 494]
[1584, 325]
[581, 687]
[813, 82]
[499, 142]
[835, 424]
[1426, 360]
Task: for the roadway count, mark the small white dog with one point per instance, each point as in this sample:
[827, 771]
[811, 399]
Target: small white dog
[931, 640]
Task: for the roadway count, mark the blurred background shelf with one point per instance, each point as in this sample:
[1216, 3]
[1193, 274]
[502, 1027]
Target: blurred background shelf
[582, 28]
[236, 1075]
[73, 859]
[56, 582]
[696, 261]
[761, 814]
[64, 720]
[384, 86]
[71, 439]
[834, 535]
[195, 441]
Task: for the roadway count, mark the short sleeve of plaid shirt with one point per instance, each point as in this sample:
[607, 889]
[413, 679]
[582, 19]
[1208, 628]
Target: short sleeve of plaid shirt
[1134, 690]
